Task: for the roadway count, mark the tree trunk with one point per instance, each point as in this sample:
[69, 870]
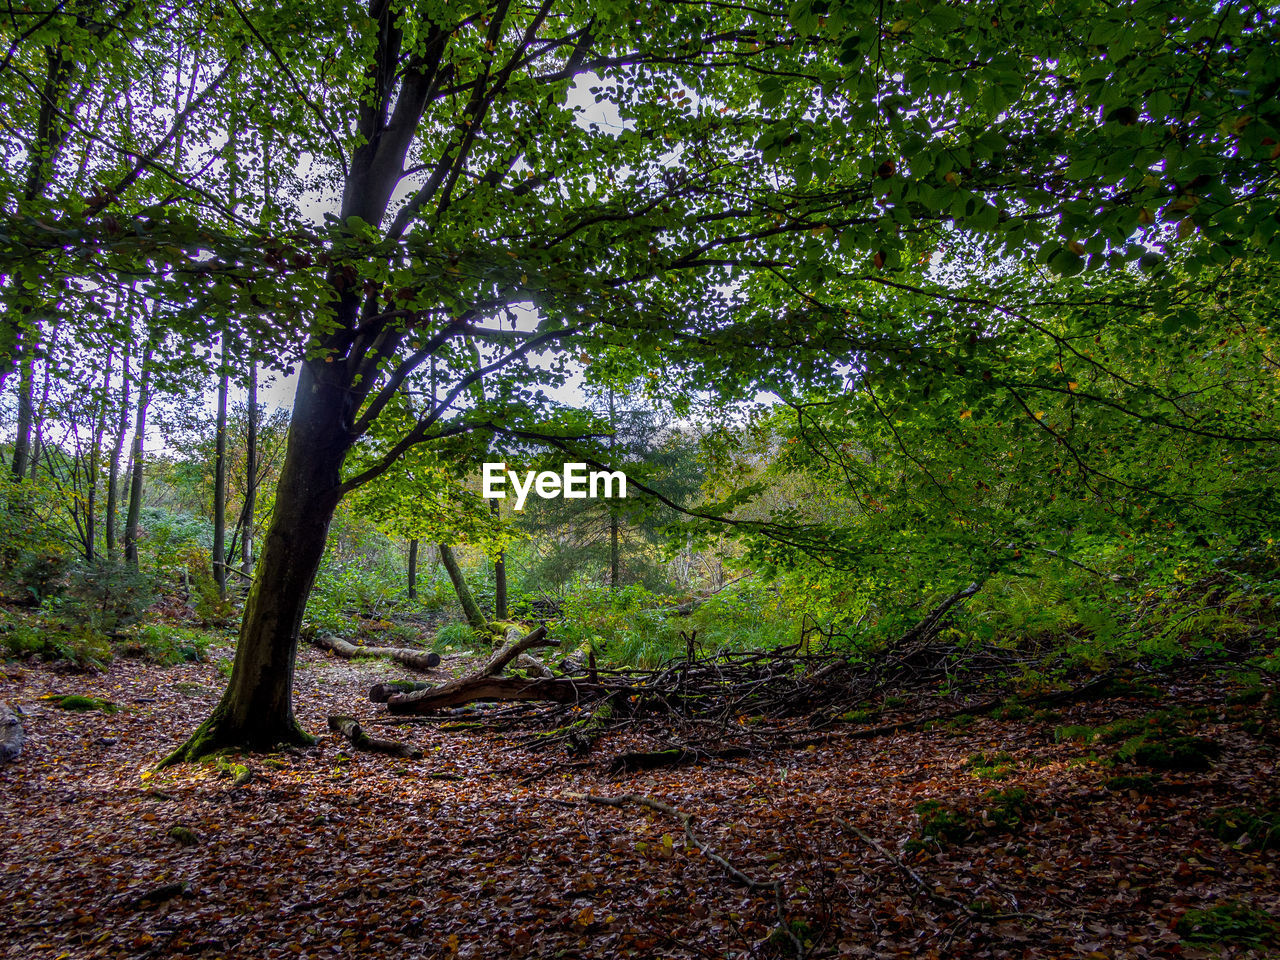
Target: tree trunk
[413, 569]
[220, 480]
[26, 405]
[113, 475]
[499, 576]
[135, 484]
[256, 710]
[250, 472]
[95, 463]
[474, 617]
[614, 565]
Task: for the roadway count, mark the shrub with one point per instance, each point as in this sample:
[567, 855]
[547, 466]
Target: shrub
[106, 595]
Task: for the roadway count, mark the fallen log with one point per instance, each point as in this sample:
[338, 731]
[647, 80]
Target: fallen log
[382, 692]
[350, 728]
[481, 687]
[422, 660]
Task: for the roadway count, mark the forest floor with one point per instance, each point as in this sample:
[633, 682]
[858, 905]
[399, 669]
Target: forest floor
[485, 849]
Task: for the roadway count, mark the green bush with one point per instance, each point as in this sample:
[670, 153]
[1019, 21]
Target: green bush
[106, 595]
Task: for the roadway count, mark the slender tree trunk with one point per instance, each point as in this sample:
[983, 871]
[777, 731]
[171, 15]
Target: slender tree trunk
[256, 710]
[499, 576]
[26, 405]
[469, 606]
[413, 569]
[113, 474]
[614, 565]
[135, 483]
[95, 463]
[220, 480]
[250, 472]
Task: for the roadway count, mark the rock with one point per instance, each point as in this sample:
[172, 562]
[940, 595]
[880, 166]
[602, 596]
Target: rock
[11, 734]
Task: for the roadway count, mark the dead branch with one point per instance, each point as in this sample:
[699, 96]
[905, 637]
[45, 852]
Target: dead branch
[514, 647]
[475, 687]
[350, 728]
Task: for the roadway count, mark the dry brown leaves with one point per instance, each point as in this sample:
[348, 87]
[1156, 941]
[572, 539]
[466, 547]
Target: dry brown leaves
[481, 850]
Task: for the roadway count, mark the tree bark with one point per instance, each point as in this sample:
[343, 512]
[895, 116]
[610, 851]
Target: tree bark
[413, 569]
[469, 607]
[256, 710]
[135, 484]
[473, 688]
[349, 728]
[220, 480]
[499, 576]
[614, 565]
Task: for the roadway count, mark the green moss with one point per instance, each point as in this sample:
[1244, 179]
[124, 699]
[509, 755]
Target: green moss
[940, 823]
[1179, 753]
[1253, 829]
[1006, 809]
[183, 835]
[991, 766]
[1228, 922]
[1012, 711]
[863, 715]
[1144, 783]
[80, 703]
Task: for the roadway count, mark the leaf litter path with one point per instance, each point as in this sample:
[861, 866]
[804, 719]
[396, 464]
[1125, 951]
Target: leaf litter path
[482, 850]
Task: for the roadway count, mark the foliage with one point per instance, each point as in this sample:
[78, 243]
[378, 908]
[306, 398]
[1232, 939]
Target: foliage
[106, 596]
[82, 647]
[165, 644]
[34, 552]
[455, 636]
